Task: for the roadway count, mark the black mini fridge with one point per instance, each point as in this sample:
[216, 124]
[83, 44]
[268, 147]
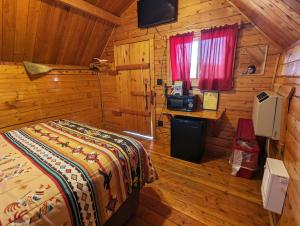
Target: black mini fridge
[188, 136]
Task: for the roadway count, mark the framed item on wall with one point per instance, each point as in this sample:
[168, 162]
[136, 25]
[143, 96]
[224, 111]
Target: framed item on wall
[210, 100]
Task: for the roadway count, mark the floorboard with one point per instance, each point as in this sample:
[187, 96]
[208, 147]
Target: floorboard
[198, 194]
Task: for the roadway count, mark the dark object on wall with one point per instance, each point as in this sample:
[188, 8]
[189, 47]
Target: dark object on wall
[166, 90]
[159, 82]
[188, 137]
[160, 123]
[155, 12]
[251, 69]
[182, 103]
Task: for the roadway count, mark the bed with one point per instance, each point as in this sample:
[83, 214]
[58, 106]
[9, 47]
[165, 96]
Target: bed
[65, 173]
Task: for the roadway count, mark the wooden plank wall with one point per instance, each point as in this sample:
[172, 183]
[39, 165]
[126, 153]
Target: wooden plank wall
[194, 15]
[116, 7]
[66, 94]
[289, 74]
[279, 20]
[46, 31]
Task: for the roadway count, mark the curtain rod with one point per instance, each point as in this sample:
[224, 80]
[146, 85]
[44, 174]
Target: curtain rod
[198, 31]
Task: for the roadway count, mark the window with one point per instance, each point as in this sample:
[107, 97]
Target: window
[180, 58]
[214, 67]
[217, 58]
[194, 59]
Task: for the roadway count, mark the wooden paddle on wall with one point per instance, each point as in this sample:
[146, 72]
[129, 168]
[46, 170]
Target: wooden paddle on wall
[38, 69]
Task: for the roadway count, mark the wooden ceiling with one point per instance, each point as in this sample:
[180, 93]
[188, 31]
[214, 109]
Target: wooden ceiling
[116, 7]
[278, 19]
[47, 31]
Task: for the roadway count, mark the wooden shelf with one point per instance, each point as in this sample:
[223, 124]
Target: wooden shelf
[131, 112]
[132, 67]
[108, 72]
[204, 114]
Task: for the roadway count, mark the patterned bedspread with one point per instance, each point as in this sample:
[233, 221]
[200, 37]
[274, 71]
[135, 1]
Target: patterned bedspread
[65, 173]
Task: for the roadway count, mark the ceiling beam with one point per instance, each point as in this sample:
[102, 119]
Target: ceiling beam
[93, 10]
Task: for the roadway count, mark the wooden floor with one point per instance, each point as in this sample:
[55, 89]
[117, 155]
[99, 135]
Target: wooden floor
[192, 194]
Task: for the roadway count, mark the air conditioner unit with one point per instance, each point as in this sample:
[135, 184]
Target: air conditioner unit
[274, 185]
[266, 116]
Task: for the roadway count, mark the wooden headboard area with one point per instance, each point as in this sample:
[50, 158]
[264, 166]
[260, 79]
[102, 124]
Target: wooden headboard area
[289, 74]
[65, 94]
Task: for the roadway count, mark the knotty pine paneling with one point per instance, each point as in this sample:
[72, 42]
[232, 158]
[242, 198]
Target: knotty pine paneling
[110, 102]
[289, 74]
[65, 94]
[195, 15]
[46, 31]
[116, 7]
[279, 20]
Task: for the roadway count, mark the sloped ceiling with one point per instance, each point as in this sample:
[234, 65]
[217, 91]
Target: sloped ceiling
[46, 31]
[278, 19]
[116, 7]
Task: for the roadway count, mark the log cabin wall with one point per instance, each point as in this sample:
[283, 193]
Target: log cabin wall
[194, 15]
[67, 94]
[289, 74]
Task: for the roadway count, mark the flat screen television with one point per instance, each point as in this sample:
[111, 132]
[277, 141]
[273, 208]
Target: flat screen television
[156, 12]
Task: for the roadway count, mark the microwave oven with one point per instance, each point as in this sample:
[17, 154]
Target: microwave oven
[181, 103]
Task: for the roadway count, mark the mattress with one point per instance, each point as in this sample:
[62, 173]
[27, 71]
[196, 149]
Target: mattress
[66, 173]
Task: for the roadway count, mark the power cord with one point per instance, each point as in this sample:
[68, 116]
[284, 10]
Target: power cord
[163, 60]
[165, 101]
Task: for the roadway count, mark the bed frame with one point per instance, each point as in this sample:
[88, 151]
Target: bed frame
[126, 211]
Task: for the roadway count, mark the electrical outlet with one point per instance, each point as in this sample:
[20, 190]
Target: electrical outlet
[159, 82]
[160, 123]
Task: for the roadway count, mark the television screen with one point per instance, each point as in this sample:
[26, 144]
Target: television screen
[155, 12]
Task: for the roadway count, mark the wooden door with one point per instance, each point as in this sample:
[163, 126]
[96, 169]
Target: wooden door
[134, 67]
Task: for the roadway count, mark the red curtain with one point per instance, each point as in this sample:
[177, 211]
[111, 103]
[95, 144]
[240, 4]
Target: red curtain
[180, 54]
[217, 52]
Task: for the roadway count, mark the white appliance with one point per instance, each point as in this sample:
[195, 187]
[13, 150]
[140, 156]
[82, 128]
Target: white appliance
[274, 185]
[266, 115]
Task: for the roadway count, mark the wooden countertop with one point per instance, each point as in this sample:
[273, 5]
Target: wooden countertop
[205, 114]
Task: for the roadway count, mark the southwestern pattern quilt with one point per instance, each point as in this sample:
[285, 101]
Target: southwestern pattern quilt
[65, 173]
